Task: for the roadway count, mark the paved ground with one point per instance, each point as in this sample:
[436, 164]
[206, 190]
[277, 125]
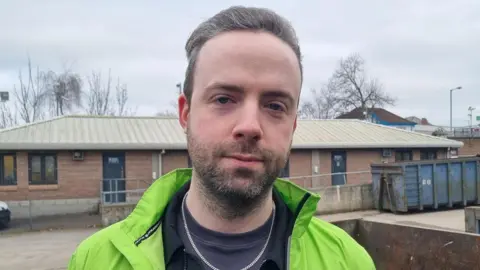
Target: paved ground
[50, 246]
[47, 250]
[450, 219]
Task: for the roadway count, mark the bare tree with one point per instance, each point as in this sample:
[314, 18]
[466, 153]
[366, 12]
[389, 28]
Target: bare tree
[101, 100]
[354, 89]
[99, 95]
[122, 100]
[30, 95]
[322, 106]
[169, 112]
[348, 88]
[7, 117]
[63, 91]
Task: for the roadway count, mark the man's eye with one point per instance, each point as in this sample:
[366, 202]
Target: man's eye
[223, 100]
[276, 107]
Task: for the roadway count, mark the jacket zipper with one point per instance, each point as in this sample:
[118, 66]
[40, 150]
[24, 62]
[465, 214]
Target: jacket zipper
[185, 266]
[289, 241]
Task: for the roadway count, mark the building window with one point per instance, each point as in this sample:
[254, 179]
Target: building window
[403, 155]
[8, 170]
[428, 155]
[42, 169]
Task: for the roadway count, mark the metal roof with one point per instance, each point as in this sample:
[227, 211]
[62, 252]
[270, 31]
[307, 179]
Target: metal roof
[151, 133]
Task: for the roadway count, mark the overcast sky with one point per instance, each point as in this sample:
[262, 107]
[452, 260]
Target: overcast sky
[417, 49]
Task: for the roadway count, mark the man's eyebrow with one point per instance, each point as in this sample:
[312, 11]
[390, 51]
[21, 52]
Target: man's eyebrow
[281, 94]
[227, 87]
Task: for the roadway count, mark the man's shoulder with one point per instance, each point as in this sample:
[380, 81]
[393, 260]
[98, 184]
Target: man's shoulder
[332, 241]
[93, 247]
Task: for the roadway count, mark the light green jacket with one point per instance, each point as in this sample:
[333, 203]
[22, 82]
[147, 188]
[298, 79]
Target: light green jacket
[314, 244]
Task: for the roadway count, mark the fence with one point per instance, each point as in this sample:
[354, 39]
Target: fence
[123, 190]
[332, 179]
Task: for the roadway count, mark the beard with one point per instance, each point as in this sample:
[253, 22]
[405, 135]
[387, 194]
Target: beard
[234, 192]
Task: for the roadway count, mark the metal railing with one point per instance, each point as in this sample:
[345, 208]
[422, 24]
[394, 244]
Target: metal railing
[122, 190]
[333, 179]
[473, 132]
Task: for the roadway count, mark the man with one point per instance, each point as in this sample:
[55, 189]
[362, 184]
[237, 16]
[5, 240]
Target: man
[239, 113]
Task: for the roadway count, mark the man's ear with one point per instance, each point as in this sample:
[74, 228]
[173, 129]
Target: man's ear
[183, 111]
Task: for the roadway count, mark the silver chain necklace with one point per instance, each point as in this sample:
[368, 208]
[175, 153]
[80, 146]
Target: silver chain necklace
[204, 259]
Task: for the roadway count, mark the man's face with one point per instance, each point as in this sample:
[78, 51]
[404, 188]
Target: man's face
[242, 114]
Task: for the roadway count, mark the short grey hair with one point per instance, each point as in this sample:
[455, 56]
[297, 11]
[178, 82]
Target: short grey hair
[237, 18]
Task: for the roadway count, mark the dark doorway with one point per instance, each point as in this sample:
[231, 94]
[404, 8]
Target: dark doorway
[114, 177]
[339, 168]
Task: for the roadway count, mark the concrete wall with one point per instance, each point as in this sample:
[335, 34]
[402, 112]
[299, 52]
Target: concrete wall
[348, 198]
[111, 214]
[38, 208]
[472, 219]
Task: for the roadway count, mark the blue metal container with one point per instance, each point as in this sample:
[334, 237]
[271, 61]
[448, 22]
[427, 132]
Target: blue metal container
[426, 184]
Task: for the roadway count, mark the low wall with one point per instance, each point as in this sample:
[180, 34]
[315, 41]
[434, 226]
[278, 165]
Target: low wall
[393, 246]
[112, 213]
[335, 199]
[347, 198]
[472, 219]
[39, 208]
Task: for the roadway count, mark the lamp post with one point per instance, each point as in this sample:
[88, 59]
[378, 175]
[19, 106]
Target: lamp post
[471, 109]
[179, 87]
[451, 91]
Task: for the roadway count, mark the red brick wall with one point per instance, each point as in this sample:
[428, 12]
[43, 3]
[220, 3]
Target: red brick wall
[301, 165]
[82, 179]
[470, 147]
[174, 159]
[76, 179]
[138, 169]
[360, 160]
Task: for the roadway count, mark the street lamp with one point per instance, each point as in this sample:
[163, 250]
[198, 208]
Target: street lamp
[471, 109]
[451, 91]
[179, 87]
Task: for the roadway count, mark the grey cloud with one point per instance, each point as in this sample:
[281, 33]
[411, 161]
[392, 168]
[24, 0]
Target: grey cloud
[417, 49]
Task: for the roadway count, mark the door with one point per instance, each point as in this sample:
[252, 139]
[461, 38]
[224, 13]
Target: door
[339, 168]
[114, 177]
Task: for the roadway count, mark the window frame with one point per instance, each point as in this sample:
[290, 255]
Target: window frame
[42, 169]
[402, 152]
[2, 169]
[427, 152]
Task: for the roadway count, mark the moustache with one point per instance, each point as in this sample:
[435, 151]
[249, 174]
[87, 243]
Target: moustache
[244, 148]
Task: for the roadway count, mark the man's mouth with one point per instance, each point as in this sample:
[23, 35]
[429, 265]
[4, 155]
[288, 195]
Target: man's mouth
[246, 158]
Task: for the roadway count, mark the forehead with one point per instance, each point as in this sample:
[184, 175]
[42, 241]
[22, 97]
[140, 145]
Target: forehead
[249, 59]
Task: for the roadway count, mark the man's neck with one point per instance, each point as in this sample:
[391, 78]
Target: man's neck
[207, 217]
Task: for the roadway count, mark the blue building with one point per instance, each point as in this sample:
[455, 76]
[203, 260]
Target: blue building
[379, 116]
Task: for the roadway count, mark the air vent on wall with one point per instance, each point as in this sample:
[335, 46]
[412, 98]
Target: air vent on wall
[77, 155]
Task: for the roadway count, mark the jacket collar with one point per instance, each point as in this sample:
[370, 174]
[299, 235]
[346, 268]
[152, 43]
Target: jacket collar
[147, 215]
[275, 253]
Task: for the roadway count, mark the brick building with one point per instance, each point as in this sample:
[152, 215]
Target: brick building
[66, 160]
[471, 146]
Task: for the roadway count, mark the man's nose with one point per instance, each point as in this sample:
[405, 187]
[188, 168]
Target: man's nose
[248, 126]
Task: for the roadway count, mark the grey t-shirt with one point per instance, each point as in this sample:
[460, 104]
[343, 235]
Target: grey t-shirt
[224, 251]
